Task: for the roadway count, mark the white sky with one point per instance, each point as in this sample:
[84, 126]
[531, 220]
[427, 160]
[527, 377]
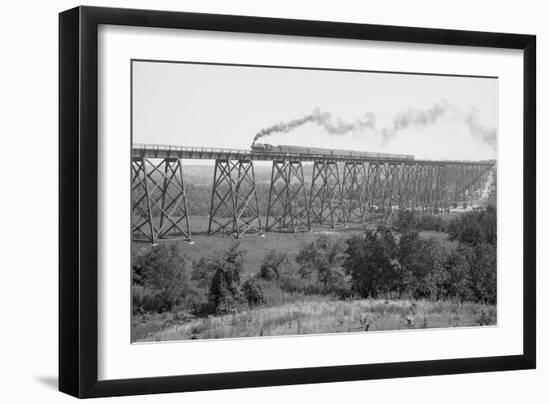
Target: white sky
[225, 106]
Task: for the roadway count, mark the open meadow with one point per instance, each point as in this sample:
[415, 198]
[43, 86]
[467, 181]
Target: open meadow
[319, 315]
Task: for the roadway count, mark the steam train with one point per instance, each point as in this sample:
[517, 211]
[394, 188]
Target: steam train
[268, 148]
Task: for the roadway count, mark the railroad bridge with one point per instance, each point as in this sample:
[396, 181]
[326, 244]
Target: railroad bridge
[343, 189]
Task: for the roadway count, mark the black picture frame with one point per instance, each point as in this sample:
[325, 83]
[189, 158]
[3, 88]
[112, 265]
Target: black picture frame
[78, 201]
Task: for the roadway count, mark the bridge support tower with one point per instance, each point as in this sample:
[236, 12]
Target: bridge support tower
[159, 204]
[325, 198]
[287, 208]
[354, 192]
[234, 206]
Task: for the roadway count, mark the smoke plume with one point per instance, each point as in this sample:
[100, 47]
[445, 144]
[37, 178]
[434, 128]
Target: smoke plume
[325, 121]
[479, 132]
[417, 118]
[412, 117]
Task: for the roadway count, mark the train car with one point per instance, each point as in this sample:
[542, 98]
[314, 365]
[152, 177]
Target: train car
[288, 149]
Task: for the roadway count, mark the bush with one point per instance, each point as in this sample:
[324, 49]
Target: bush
[321, 260]
[428, 270]
[162, 276]
[475, 227]
[397, 261]
[291, 281]
[383, 262]
[203, 271]
[370, 261]
[408, 220]
[484, 273]
[272, 264]
[253, 292]
[224, 291]
[431, 222]
[458, 282]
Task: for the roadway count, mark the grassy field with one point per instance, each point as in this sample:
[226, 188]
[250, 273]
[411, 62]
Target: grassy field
[316, 315]
[257, 246]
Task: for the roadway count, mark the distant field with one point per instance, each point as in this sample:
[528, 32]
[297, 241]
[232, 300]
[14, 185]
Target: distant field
[316, 315]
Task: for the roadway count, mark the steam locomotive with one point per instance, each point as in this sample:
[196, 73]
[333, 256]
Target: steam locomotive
[268, 148]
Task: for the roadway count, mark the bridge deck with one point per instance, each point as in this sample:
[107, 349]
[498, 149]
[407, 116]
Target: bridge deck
[214, 153]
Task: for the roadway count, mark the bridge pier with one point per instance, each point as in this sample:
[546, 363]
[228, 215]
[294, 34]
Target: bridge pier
[234, 206]
[392, 192]
[375, 189]
[159, 204]
[354, 190]
[325, 198]
[406, 184]
[287, 208]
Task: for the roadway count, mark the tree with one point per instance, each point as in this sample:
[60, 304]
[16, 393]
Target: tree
[484, 273]
[475, 227]
[427, 267]
[203, 271]
[224, 291]
[272, 264]
[163, 273]
[370, 262]
[322, 258]
[253, 292]
[459, 270]
[406, 252]
[405, 221]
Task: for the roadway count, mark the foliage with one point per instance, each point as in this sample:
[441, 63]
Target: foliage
[224, 291]
[272, 264]
[253, 292]
[458, 281]
[387, 262]
[370, 262]
[162, 274]
[406, 220]
[291, 281]
[427, 267]
[322, 259]
[203, 271]
[475, 227]
[483, 273]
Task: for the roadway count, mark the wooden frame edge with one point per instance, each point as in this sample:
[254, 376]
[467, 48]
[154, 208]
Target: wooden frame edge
[78, 362]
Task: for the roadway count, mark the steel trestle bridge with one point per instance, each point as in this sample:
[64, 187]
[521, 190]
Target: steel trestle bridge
[343, 189]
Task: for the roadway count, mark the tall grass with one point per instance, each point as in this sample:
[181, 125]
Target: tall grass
[322, 314]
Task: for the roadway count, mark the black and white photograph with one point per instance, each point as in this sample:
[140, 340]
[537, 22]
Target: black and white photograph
[271, 201]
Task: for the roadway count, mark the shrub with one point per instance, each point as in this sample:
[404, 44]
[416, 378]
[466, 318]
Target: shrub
[475, 227]
[405, 220]
[428, 270]
[458, 283]
[272, 264]
[384, 262]
[253, 292]
[431, 222]
[292, 282]
[370, 262]
[321, 260]
[484, 273]
[224, 290]
[408, 220]
[203, 271]
[163, 277]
